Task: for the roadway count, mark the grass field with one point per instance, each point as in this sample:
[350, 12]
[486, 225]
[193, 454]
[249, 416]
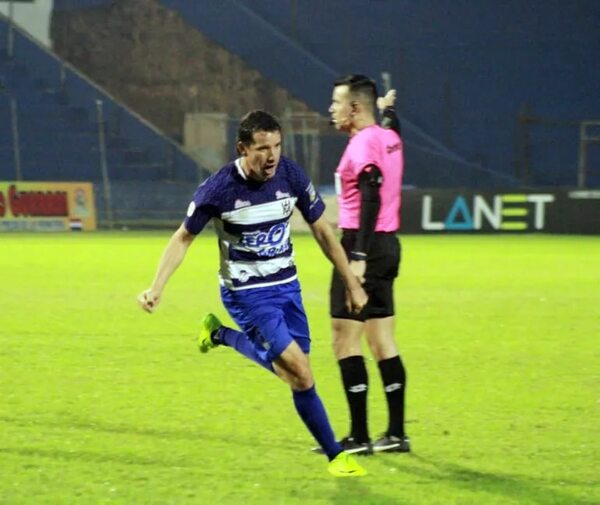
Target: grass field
[101, 403]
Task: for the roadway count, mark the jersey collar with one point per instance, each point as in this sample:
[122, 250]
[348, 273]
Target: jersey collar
[240, 170]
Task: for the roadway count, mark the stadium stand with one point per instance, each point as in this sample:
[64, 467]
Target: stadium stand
[462, 81]
[463, 123]
[306, 75]
[50, 116]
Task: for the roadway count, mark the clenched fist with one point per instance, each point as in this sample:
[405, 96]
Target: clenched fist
[148, 300]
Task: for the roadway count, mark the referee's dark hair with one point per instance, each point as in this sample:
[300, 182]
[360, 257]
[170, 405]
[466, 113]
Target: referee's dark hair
[254, 121]
[360, 85]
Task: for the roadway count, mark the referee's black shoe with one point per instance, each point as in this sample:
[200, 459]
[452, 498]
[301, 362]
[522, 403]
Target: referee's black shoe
[350, 446]
[392, 443]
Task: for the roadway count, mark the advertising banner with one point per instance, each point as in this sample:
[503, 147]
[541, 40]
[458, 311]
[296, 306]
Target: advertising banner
[47, 206]
[514, 211]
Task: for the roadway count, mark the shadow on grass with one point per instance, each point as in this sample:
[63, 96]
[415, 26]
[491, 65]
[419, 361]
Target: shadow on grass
[518, 488]
[358, 491]
[98, 457]
[193, 434]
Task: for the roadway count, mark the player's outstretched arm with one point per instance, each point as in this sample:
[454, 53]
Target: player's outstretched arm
[171, 258]
[321, 229]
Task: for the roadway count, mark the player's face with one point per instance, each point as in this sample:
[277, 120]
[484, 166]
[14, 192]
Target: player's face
[260, 159]
[341, 108]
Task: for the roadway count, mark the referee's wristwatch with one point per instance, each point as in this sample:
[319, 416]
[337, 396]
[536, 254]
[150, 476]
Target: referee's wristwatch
[358, 256]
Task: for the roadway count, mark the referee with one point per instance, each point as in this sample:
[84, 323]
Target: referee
[368, 184]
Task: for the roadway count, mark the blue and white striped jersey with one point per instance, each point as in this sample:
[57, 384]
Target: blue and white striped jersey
[252, 221]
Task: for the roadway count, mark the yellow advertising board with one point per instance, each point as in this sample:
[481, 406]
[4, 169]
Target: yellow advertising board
[47, 206]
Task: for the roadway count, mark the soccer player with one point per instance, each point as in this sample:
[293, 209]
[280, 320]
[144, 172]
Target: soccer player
[250, 201]
[368, 183]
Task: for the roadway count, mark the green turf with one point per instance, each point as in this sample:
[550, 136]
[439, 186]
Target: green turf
[101, 403]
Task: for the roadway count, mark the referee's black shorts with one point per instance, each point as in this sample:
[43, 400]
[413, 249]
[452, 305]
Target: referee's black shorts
[383, 265]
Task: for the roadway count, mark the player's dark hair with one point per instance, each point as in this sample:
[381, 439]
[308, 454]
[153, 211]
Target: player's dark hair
[254, 121]
[359, 85]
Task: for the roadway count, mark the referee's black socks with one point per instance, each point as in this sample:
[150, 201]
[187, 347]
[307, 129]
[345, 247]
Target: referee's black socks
[356, 386]
[393, 376]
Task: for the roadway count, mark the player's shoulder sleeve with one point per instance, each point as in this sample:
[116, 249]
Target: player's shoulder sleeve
[309, 201]
[204, 205]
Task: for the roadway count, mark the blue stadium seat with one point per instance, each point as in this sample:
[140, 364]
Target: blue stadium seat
[57, 119]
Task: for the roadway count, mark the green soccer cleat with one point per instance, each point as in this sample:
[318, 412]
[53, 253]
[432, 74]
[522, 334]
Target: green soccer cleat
[210, 323]
[344, 465]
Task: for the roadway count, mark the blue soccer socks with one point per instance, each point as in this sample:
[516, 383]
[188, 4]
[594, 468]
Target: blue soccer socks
[241, 343]
[311, 410]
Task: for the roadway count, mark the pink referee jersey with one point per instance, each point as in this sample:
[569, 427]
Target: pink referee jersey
[377, 146]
